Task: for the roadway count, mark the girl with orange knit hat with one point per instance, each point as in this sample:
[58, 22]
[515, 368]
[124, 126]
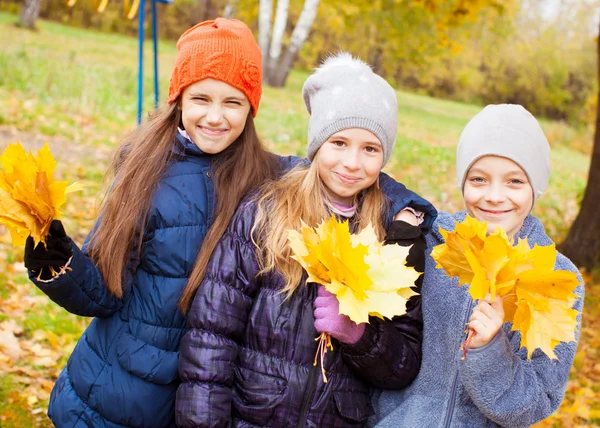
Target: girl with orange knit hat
[179, 178]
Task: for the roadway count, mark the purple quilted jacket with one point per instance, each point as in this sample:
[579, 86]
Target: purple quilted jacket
[247, 360]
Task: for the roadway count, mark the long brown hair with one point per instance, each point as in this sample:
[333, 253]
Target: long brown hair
[242, 167]
[137, 166]
[298, 197]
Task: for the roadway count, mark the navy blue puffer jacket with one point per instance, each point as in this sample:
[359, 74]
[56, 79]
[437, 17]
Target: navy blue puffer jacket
[123, 371]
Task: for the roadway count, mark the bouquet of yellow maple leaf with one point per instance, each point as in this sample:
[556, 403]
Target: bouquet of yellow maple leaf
[368, 278]
[30, 198]
[537, 299]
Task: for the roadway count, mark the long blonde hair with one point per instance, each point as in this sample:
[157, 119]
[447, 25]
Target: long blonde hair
[300, 196]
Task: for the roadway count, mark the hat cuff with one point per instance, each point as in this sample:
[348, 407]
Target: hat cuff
[505, 142]
[331, 128]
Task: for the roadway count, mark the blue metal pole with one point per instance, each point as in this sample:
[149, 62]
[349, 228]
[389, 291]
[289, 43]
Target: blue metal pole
[155, 43]
[141, 18]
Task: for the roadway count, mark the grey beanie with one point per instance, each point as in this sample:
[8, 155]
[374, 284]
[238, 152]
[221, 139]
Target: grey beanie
[345, 93]
[510, 131]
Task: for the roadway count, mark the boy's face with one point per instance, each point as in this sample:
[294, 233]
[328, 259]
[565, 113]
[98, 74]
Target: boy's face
[497, 191]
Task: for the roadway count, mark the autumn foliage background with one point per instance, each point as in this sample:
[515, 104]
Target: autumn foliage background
[76, 88]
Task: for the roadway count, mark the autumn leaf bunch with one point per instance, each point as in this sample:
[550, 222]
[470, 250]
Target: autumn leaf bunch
[30, 198]
[537, 299]
[367, 277]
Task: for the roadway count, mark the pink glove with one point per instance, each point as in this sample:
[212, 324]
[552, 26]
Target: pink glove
[329, 320]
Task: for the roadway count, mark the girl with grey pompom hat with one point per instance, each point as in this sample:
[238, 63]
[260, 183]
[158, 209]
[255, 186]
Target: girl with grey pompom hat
[503, 167]
[248, 359]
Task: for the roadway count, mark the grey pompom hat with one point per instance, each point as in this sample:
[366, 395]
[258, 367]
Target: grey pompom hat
[345, 93]
[510, 131]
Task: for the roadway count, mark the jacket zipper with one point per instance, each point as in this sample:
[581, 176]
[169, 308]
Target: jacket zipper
[308, 395]
[450, 409]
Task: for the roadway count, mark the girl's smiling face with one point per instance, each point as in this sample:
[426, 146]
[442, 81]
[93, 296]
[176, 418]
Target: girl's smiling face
[213, 114]
[498, 191]
[348, 162]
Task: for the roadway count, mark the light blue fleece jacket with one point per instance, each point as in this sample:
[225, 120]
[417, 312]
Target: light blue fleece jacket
[495, 385]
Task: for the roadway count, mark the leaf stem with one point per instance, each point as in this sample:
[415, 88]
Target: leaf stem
[465, 346]
[324, 343]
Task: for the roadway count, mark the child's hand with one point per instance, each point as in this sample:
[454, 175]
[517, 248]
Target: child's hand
[329, 320]
[408, 216]
[486, 320]
[55, 254]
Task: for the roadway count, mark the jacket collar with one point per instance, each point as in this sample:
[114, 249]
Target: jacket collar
[186, 147]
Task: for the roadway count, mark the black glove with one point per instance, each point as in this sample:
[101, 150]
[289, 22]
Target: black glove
[55, 254]
[405, 234]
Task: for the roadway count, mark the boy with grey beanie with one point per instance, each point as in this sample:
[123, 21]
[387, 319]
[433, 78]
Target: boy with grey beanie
[503, 166]
[509, 131]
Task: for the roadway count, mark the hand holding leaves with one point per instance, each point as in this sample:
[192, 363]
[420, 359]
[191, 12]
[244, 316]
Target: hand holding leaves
[486, 320]
[366, 277]
[536, 299]
[329, 320]
[49, 259]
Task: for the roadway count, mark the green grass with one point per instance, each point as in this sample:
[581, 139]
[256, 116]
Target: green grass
[14, 411]
[80, 87]
[74, 83]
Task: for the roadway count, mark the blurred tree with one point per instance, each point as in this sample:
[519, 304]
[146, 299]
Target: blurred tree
[406, 30]
[546, 64]
[229, 10]
[274, 49]
[277, 67]
[582, 244]
[30, 13]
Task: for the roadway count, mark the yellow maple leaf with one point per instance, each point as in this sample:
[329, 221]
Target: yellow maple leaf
[30, 198]
[473, 230]
[549, 299]
[537, 299]
[544, 329]
[452, 254]
[384, 291]
[367, 277]
[487, 262]
[468, 237]
[304, 245]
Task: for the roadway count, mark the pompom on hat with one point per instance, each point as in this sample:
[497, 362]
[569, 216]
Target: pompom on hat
[345, 93]
[221, 49]
[509, 131]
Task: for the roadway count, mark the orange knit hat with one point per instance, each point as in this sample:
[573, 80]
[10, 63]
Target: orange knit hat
[223, 49]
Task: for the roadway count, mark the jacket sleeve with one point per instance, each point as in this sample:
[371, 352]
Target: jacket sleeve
[511, 390]
[288, 162]
[81, 290]
[216, 321]
[388, 355]
[401, 198]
